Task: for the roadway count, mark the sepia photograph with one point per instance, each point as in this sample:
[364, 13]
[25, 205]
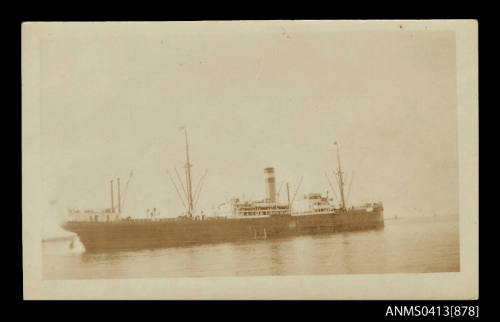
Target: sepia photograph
[250, 160]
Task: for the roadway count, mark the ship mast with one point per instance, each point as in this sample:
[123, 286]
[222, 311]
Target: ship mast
[340, 176]
[188, 176]
[112, 194]
[119, 197]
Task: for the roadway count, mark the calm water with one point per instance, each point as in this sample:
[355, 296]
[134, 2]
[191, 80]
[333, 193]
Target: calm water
[428, 244]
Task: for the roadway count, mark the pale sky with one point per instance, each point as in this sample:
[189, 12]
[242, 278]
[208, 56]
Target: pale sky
[114, 101]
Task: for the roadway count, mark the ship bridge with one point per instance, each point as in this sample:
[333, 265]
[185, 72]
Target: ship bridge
[313, 202]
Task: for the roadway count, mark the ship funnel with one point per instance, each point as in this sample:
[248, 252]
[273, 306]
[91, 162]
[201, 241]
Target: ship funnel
[270, 184]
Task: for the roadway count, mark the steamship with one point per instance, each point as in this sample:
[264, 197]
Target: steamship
[233, 220]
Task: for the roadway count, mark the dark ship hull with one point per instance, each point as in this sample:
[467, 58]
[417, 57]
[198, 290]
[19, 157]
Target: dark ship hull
[150, 234]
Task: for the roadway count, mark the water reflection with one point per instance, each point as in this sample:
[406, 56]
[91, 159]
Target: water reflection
[402, 246]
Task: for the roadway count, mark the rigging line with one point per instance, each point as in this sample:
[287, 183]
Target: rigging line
[126, 190]
[199, 191]
[337, 180]
[281, 185]
[180, 182]
[200, 185]
[350, 184]
[178, 193]
[295, 195]
[331, 186]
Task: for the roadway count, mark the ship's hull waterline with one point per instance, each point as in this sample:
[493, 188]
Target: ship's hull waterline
[151, 234]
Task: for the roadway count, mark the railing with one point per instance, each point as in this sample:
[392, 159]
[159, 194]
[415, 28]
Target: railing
[313, 212]
[138, 220]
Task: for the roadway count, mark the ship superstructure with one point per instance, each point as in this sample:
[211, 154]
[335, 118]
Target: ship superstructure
[236, 208]
[314, 203]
